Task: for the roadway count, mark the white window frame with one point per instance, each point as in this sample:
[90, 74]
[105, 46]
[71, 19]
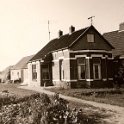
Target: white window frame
[34, 71]
[90, 38]
[99, 71]
[61, 62]
[79, 69]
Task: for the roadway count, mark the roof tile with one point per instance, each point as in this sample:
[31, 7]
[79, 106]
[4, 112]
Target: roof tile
[22, 63]
[116, 38]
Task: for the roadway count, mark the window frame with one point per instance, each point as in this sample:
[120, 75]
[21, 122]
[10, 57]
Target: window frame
[12, 73]
[34, 72]
[90, 38]
[61, 69]
[79, 66]
[99, 71]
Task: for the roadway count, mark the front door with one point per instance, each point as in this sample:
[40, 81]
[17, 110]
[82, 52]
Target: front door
[45, 75]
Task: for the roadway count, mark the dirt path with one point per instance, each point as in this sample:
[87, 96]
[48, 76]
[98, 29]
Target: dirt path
[116, 111]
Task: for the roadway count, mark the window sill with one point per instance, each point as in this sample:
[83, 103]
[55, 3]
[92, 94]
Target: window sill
[81, 79]
[45, 79]
[97, 79]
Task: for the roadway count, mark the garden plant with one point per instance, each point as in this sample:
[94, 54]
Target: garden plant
[38, 109]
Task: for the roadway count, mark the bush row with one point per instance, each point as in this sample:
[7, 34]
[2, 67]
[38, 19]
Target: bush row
[7, 98]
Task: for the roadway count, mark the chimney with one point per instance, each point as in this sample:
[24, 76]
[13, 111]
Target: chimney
[60, 33]
[121, 26]
[71, 29]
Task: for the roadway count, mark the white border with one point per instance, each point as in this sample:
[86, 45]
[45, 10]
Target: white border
[97, 51]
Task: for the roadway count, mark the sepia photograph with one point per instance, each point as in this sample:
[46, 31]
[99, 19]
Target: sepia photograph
[61, 62]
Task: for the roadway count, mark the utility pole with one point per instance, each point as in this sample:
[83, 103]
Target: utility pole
[49, 29]
[91, 19]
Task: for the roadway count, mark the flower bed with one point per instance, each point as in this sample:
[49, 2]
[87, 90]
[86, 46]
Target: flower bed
[39, 109]
[23, 110]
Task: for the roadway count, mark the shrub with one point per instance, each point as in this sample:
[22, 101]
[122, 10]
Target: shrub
[39, 109]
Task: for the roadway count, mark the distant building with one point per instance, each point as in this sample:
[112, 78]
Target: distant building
[81, 58]
[19, 72]
[116, 38]
[5, 74]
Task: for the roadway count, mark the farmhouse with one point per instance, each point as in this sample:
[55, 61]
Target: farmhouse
[81, 58]
[116, 38]
[19, 72]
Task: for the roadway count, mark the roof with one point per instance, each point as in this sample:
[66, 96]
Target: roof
[63, 42]
[116, 38]
[22, 63]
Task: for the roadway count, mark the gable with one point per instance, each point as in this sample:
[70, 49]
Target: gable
[100, 43]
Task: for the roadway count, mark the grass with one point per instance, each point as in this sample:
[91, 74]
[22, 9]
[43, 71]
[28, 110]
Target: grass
[109, 96]
[12, 88]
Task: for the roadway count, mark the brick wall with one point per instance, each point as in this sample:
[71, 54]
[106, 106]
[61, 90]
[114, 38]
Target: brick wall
[57, 57]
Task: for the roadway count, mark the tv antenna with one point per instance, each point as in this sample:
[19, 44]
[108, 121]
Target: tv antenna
[49, 29]
[91, 19]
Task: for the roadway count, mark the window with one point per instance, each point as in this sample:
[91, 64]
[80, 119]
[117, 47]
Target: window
[73, 69]
[45, 72]
[90, 38]
[61, 70]
[97, 69]
[34, 72]
[12, 73]
[18, 74]
[81, 68]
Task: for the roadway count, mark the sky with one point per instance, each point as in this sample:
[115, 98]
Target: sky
[24, 23]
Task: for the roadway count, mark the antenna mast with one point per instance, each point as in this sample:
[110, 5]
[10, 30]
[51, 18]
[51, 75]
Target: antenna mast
[49, 30]
[91, 19]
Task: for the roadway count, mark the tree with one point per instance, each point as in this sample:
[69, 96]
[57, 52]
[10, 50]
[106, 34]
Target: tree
[119, 76]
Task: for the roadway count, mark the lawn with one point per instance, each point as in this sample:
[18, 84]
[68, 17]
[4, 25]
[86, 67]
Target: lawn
[12, 88]
[109, 96]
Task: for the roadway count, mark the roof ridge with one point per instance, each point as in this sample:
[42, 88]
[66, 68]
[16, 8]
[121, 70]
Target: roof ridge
[110, 32]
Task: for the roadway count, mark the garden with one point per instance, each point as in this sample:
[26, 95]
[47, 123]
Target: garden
[19, 106]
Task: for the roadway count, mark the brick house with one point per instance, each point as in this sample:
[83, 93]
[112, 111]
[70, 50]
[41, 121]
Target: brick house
[19, 72]
[81, 58]
[116, 38]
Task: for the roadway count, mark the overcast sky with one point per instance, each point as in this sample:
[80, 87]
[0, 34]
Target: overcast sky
[24, 23]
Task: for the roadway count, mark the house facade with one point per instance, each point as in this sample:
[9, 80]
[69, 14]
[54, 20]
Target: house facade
[19, 72]
[81, 58]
